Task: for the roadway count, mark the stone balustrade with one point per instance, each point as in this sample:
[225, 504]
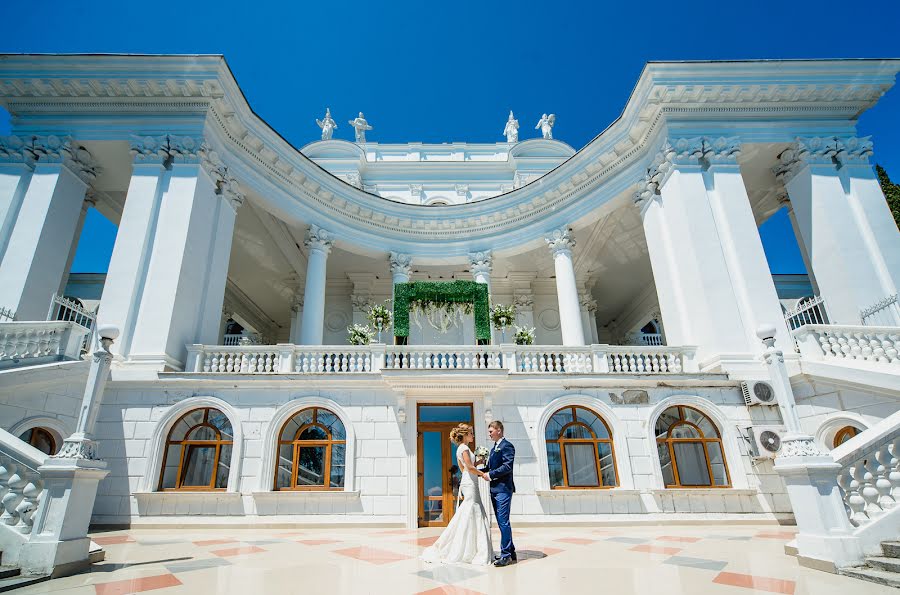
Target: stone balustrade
[867, 345]
[870, 476]
[515, 359]
[39, 342]
[21, 486]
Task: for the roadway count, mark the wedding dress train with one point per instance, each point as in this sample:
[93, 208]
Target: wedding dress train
[467, 538]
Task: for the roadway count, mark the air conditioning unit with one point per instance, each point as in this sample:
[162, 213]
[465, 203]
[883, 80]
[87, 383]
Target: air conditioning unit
[765, 441]
[758, 393]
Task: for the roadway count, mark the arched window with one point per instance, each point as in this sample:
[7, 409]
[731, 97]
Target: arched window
[690, 449]
[311, 452]
[198, 452]
[580, 450]
[40, 438]
[844, 434]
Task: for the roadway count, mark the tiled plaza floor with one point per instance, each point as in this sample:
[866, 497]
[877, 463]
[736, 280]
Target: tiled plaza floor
[736, 560]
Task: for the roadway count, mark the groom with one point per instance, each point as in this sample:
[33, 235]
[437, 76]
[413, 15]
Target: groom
[500, 474]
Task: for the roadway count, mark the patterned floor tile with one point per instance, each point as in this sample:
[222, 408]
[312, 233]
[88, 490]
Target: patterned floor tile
[730, 537]
[448, 574]
[679, 539]
[786, 535]
[113, 540]
[696, 563]
[757, 583]
[317, 541]
[207, 542]
[372, 555]
[655, 549]
[237, 551]
[137, 585]
[450, 590]
[576, 540]
[201, 564]
[627, 540]
[425, 541]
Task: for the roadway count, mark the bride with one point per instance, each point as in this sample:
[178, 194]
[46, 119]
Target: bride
[467, 539]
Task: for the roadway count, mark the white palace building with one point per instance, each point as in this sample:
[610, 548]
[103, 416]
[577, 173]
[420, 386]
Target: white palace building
[209, 379]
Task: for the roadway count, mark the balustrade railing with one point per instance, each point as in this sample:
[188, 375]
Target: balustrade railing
[442, 357]
[860, 344]
[883, 313]
[21, 486]
[241, 339]
[27, 342]
[515, 359]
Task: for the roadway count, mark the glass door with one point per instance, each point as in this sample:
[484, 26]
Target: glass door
[439, 473]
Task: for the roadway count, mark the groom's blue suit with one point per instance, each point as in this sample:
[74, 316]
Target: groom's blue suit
[500, 470]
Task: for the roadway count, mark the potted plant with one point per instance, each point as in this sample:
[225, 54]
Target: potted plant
[360, 334]
[502, 317]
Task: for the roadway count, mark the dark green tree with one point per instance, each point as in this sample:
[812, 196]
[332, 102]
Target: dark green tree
[891, 193]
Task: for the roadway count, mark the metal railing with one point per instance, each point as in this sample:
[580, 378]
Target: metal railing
[883, 313]
[7, 315]
[807, 311]
[64, 309]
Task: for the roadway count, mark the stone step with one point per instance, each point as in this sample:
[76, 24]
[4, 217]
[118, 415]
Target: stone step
[891, 549]
[8, 571]
[884, 563]
[15, 582]
[891, 579]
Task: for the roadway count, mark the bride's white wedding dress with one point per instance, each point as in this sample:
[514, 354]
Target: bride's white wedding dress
[467, 538]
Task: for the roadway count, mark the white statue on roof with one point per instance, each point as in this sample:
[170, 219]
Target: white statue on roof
[328, 125]
[512, 129]
[545, 125]
[360, 126]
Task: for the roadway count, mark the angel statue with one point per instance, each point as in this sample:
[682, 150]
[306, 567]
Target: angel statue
[328, 125]
[360, 125]
[512, 129]
[545, 124]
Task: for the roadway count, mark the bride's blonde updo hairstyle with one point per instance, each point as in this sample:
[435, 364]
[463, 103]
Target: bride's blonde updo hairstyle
[458, 434]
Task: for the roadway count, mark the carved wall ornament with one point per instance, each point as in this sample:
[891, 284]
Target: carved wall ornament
[319, 239]
[836, 151]
[587, 303]
[799, 446]
[704, 150]
[297, 301]
[480, 262]
[401, 264]
[416, 190]
[524, 302]
[361, 303]
[149, 149]
[462, 190]
[560, 240]
[353, 178]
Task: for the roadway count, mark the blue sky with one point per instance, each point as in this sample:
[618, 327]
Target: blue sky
[445, 72]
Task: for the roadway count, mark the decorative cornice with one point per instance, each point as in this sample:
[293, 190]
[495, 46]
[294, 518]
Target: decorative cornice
[560, 241]
[401, 264]
[480, 263]
[828, 151]
[319, 239]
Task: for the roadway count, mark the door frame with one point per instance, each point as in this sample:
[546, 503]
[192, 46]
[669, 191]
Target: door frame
[418, 502]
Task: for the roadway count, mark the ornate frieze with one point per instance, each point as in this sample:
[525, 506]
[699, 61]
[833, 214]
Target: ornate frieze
[480, 263]
[560, 241]
[831, 150]
[319, 239]
[400, 264]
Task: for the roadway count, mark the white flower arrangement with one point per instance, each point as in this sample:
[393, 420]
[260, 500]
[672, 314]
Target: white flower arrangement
[524, 335]
[503, 316]
[380, 316]
[481, 454]
[360, 334]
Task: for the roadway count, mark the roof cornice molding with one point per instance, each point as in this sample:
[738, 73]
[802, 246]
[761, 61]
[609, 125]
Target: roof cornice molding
[795, 98]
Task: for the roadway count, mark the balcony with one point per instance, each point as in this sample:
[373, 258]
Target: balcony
[332, 360]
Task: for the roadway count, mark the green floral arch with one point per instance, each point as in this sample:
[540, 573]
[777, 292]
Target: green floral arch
[443, 292]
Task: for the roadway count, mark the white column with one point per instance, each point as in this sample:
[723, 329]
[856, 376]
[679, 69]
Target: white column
[711, 274]
[44, 227]
[131, 252]
[401, 266]
[319, 242]
[844, 223]
[296, 316]
[16, 167]
[589, 317]
[561, 243]
[181, 291]
[89, 201]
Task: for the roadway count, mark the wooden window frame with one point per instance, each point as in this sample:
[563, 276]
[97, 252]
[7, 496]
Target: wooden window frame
[218, 443]
[34, 433]
[297, 444]
[594, 441]
[851, 430]
[670, 442]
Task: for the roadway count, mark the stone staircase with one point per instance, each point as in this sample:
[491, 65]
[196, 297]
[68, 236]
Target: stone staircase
[884, 569]
[11, 578]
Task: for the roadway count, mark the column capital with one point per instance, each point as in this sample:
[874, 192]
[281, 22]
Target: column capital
[524, 302]
[587, 302]
[14, 150]
[560, 241]
[297, 301]
[703, 150]
[401, 264]
[60, 149]
[150, 150]
[361, 302]
[319, 239]
[226, 185]
[480, 263]
[828, 151]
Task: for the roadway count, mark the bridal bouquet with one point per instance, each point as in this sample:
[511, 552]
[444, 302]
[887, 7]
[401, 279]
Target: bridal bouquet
[481, 454]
